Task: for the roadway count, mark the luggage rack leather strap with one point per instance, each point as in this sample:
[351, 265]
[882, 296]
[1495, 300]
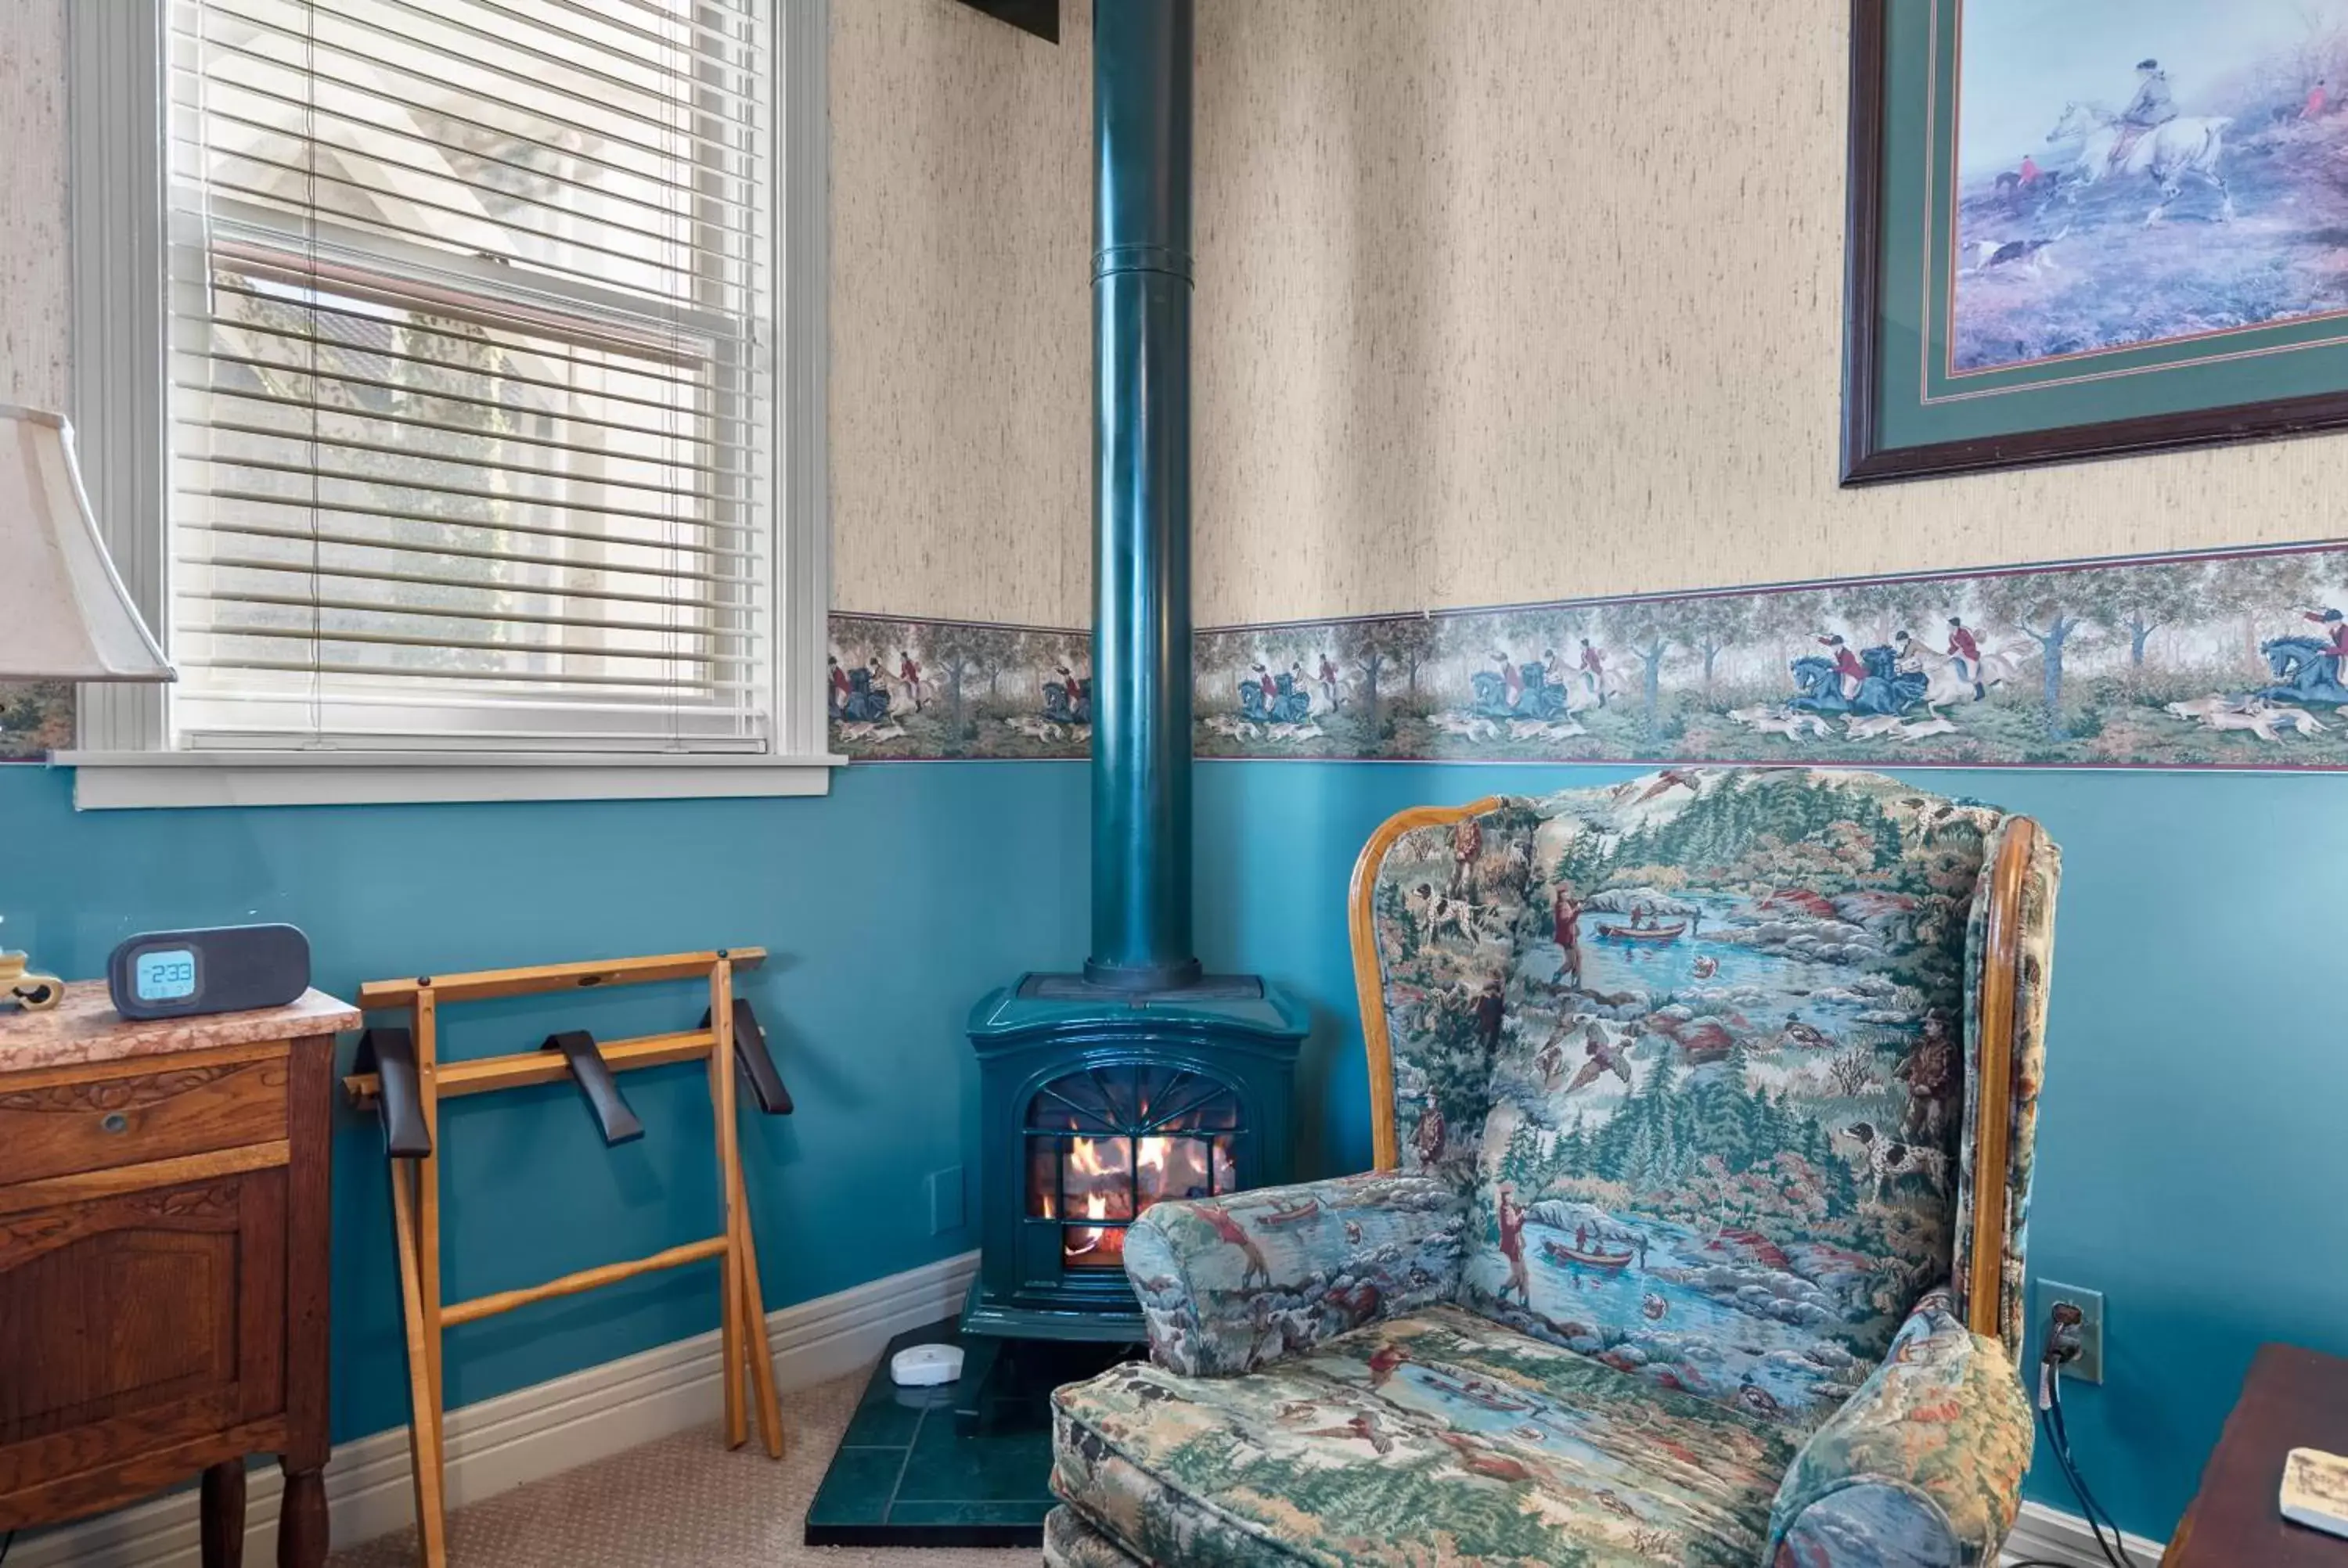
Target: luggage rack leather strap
[600, 1090]
[390, 1054]
[758, 1063]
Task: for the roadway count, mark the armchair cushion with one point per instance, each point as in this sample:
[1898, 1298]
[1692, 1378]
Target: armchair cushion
[1229, 1284]
[1694, 1045]
[1436, 1438]
[1920, 1469]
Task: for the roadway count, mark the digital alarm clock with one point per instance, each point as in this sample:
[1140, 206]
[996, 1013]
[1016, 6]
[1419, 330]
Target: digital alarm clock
[222, 969]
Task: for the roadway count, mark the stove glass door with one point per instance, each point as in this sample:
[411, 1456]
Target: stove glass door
[1104, 1144]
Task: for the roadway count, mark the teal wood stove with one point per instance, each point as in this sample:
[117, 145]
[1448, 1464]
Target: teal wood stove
[1091, 1110]
[1138, 1080]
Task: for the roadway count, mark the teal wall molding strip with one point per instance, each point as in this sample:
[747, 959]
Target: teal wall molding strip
[2212, 659]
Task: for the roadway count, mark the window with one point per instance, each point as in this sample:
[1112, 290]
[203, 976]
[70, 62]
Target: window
[473, 364]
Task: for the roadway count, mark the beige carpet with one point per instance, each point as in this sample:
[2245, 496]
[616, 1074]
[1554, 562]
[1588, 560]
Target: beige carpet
[683, 1500]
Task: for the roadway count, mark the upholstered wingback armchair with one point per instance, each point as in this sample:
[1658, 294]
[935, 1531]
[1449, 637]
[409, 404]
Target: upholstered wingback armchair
[1703, 1109]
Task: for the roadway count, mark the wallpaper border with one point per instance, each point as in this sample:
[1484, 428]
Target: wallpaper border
[2207, 660]
[2204, 659]
[957, 690]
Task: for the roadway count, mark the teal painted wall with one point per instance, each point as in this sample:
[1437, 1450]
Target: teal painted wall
[2191, 1110]
[890, 907]
[2192, 1156]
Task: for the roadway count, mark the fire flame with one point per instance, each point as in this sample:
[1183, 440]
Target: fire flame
[1098, 1174]
[1097, 1243]
[1100, 1246]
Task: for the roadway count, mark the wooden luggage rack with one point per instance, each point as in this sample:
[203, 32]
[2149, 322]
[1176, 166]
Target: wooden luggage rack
[399, 1074]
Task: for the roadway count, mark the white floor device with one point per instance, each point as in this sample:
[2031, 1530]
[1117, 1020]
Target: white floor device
[925, 1365]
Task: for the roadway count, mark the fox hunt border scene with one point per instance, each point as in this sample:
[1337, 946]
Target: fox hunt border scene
[2218, 660]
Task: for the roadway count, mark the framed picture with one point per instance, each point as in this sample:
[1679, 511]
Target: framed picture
[2087, 227]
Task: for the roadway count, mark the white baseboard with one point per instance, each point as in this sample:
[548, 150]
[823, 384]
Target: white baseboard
[2059, 1537]
[532, 1432]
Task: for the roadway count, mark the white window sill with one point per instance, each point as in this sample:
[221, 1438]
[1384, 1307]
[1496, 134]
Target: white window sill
[124, 781]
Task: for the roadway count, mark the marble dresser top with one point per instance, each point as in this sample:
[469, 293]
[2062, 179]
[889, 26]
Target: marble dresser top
[84, 1028]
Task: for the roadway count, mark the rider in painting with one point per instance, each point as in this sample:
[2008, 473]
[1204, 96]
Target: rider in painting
[1853, 674]
[1593, 670]
[2335, 631]
[1965, 649]
[1068, 698]
[1512, 680]
[2153, 106]
[1909, 659]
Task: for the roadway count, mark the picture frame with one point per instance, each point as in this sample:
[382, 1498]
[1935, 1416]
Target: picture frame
[1922, 232]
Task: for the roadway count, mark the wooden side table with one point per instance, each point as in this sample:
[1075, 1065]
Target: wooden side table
[163, 1261]
[2292, 1398]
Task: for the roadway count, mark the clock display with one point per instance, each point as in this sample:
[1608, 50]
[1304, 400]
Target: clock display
[165, 975]
[213, 969]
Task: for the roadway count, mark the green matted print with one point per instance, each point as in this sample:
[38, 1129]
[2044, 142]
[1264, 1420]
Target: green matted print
[2080, 228]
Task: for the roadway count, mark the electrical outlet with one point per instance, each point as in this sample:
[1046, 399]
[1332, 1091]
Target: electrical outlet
[2089, 1367]
[945, 1200]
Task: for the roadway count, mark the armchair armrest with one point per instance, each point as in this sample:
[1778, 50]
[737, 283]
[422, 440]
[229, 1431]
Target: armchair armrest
[1229, 1284]
[1923, 1464]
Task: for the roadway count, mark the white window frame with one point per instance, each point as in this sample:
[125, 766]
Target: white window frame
[124, 759]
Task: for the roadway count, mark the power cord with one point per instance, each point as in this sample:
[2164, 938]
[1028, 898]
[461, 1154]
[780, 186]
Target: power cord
[2062, 1348]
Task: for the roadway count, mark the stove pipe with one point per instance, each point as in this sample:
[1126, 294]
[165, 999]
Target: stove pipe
[1141, 495]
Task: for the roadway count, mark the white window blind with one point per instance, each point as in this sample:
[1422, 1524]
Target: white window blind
[471, 363]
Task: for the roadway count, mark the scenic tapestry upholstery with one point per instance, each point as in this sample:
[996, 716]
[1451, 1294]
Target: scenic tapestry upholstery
[1436, 1427]
[1682, 1072]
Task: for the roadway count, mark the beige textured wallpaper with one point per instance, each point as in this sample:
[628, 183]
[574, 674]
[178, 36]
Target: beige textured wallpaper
[32, 203]
[1498, 299]
[961, 313]
[1518, 299]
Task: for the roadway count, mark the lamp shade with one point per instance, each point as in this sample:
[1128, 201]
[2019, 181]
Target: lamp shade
[64, 613]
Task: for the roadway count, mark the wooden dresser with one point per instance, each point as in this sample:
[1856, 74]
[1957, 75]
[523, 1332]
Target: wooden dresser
[163, 1261]
[2291, 1398]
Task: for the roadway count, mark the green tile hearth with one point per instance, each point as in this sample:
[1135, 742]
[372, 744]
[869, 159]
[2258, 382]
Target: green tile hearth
[1026, 1515]
[903, 1476]
[1009, 1464]
[856, 1487]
